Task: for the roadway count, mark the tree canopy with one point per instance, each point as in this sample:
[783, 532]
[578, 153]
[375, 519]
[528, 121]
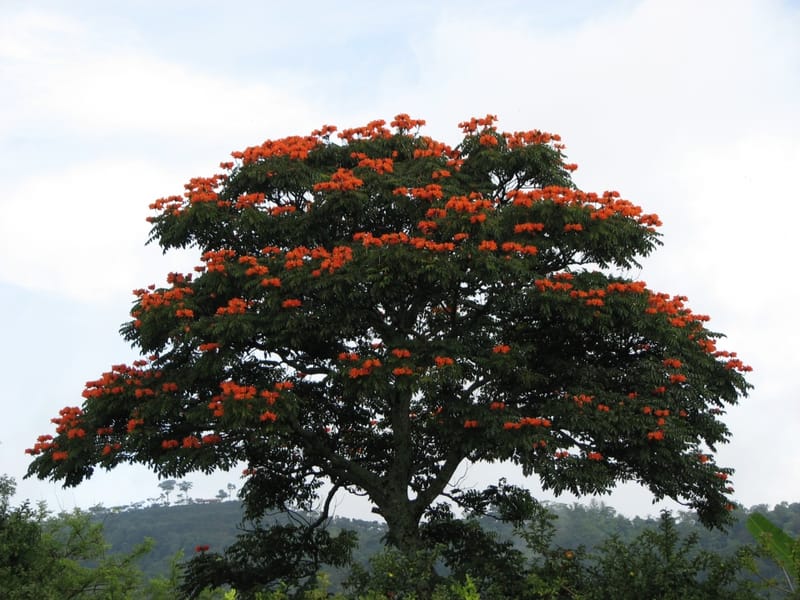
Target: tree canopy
[375, 307]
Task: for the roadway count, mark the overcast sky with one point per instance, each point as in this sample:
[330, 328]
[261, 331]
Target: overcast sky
[689, 108]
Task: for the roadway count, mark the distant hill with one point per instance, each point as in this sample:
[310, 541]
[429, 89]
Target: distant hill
[180, 528]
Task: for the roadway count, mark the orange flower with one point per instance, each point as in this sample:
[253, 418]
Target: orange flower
[443, 361]
[573, 227]
[191, 441]
[268, 416]
[399, 371]
[594, 456]
[501, 349]
[470, 424]
[291, 303]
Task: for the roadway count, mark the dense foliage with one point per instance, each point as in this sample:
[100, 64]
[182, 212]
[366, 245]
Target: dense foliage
[60, 558]
[376, 309]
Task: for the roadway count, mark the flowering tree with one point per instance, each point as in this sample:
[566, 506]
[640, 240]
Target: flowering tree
[376, 308]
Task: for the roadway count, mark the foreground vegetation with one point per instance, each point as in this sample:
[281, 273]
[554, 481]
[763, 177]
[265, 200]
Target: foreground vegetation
[578, 552]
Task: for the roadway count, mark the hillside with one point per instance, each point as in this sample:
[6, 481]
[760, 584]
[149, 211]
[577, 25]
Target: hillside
[180, 528]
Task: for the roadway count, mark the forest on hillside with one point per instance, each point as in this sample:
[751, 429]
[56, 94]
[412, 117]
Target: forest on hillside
[179, 529]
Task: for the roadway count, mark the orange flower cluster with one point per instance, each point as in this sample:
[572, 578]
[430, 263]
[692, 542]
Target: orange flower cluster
[268, 416]
[69, 418]
[200, 190]
[443, 361]
[43, 444]
[431, 192]
[497, 406]
[365, 369]
[211, 438]
[238, 392]
[184, 313]
[427, 227]
[295, 256]
[150, 299]
[235, 306]
[469, 204]
[293, 147]
[373, 130]
[271, 396]
[548, 284]
[680, 315]
[191, 441]
[656, 435]
[134, 423]
[342, 180]
[401, 353]
[472, 125]
[527, 422]
[582, 399]
[367, 240]
[351, 356]
[519, 139]
[254, 268]
[170, 204]
[324, 131]
[249, 200]
[292, 303]
[573, 227]
[599, 207]
[528, 227]
[400, 371]
[431, 147]
[487, 246]
[487, 139]
[403, 122]
[471, 424]
[501, 349]
[527, 249]
[594, 456]
[276, 211]
[271, 282]
[216, 259]
[380, 165]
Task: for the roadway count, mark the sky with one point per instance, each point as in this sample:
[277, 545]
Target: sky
[688, 108]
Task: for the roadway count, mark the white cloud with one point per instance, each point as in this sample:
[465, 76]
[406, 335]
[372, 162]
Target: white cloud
[80, 231]
[59, 74]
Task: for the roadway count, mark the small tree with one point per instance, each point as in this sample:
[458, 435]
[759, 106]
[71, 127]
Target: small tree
[376, 310]
[185, 486]
[167, 486]
[64, 556]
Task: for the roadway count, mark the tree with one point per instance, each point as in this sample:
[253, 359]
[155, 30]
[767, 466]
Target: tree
[167, 486]
[377, 308]
[659, 564]
[778, 545]
[46, 557]
[185, 486]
